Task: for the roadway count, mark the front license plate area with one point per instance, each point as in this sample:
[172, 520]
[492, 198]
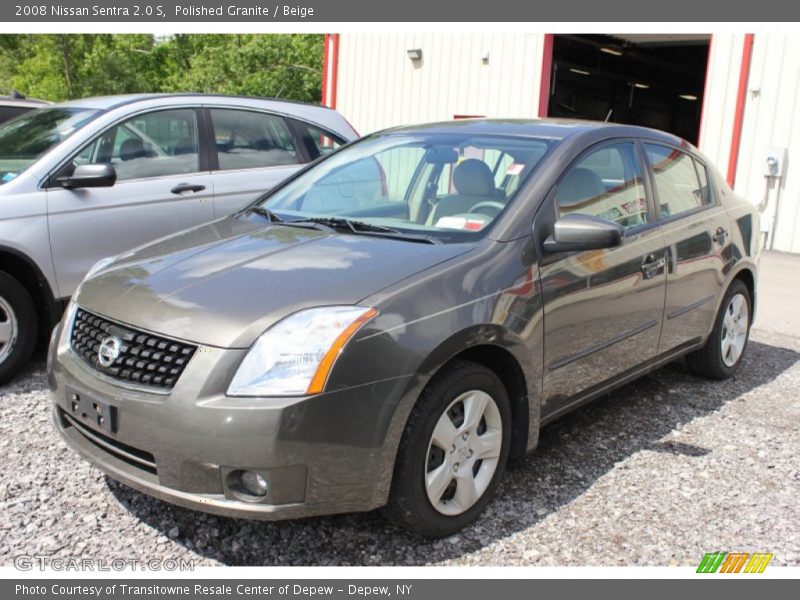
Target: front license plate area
[88, 410]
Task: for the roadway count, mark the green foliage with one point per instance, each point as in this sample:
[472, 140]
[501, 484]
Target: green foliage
[59, 67]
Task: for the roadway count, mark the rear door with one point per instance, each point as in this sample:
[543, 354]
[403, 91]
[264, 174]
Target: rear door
[696, 230]
[252, 152]
[602, 308]
[163, 185]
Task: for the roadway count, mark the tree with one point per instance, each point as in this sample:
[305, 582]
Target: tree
[60, 66]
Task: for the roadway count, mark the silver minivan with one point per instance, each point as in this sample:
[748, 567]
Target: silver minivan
[87, 179]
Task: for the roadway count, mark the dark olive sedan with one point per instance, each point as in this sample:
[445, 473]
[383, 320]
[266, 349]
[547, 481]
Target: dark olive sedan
[392, 324]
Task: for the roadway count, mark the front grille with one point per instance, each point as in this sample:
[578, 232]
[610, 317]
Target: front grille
[143, 358]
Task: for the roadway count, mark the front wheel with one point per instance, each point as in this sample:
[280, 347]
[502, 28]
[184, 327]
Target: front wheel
[453, 451]
[18, 326]
[722, 355]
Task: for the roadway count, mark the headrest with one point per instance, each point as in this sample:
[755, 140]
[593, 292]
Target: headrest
[473, 177]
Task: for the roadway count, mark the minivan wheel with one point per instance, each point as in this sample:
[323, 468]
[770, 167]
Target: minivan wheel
[453, 451]
[722, 355]
[18, 326]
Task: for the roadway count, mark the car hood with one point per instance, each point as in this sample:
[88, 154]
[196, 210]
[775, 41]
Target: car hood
[224, 283]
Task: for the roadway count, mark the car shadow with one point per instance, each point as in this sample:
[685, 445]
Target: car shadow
[573, 453]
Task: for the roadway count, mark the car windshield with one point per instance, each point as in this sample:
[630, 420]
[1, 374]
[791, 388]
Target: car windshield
[438, 186]
[26, 138]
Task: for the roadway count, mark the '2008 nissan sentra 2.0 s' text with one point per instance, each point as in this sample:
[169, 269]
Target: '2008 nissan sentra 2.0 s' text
[390, 325]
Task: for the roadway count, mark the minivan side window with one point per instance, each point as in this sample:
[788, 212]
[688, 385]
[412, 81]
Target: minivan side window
[606, 183]
[247, 139]
[147, 145]
[679, 188]
[318, 142]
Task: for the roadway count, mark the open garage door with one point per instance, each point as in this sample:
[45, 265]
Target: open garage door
[640, 79]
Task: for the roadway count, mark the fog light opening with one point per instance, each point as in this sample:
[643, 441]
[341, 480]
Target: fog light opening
[249, 486]
[254, 483]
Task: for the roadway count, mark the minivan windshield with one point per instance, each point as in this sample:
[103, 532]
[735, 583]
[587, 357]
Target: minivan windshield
[445, 187]
[24, 139]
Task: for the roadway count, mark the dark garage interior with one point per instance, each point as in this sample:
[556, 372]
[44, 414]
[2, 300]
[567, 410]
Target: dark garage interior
[640, 79]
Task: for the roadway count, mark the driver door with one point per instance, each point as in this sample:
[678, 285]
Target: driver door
[161, 188]
[602, 308]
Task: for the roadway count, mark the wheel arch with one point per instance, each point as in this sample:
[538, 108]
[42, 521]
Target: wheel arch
[24, 270]
[747, 276]
[493, 347]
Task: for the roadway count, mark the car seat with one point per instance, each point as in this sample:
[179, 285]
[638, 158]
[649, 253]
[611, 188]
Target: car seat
[474, 183]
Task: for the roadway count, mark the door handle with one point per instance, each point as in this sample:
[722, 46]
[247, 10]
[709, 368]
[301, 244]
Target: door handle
[651, 265]
[187, 187]
[720, 235]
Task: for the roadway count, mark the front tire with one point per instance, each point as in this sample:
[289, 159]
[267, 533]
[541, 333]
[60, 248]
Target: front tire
[18, 326]
[453, 451]
[722, 355]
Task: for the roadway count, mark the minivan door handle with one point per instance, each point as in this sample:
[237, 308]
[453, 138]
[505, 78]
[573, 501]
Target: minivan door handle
[720, 235]
[187, 187]
[651, 265]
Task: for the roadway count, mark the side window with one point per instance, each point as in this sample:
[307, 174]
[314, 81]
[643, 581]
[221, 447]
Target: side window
[318, 142]
[149, 145]
[678, 187]
[705, 188]
[9, 112]
[606, 183]
[248, 139]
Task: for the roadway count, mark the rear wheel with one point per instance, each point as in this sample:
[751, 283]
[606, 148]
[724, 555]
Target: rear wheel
[18, 326]
[722, 355]
[453, 451]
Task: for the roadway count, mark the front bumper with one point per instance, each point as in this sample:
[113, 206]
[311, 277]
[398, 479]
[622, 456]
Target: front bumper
[322, 454]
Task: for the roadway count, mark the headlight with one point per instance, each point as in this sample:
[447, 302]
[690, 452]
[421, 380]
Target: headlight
[295, 356]
[99, 266]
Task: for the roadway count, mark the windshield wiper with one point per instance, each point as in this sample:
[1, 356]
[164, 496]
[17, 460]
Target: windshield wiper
[266, 213]
[364, 228]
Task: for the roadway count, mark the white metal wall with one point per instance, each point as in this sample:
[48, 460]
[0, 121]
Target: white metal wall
[719, 103]
[379, 86]
[772, 120]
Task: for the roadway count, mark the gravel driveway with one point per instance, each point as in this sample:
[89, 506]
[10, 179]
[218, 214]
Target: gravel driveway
[658, 473]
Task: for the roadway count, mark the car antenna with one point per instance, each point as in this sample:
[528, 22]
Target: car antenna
[608, 116]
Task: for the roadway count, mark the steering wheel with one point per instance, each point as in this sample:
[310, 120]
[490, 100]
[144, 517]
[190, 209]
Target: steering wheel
[492, 205]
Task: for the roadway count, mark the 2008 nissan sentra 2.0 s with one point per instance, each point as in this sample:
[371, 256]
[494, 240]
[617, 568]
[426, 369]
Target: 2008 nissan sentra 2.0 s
[393, 323]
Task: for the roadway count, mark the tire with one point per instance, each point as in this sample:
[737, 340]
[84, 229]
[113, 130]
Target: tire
[711, 361]
[475, 462]
[18, 326]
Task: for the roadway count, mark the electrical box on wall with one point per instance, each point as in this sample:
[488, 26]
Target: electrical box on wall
[774, 162]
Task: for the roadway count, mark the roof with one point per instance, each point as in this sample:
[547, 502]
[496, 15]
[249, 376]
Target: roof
[12, 101]
[556, 129]
[111, 102]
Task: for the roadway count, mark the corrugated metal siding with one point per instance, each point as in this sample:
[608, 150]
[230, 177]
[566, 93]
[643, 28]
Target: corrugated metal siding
[719, 103]
[772, 120]
[379, 86]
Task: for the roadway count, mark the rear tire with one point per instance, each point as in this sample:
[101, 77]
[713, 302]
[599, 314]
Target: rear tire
[722, 355]
[453, 452]
[18, 326]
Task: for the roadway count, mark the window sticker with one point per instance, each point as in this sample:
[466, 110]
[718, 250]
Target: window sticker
[8, 177]
[514, 169]
[462, 223]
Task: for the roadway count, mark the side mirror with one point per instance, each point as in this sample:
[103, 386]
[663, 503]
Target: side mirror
[576, 232]
[88, 176]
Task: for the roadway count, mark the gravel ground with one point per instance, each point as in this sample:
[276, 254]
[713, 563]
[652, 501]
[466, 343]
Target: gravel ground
[658, 473]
